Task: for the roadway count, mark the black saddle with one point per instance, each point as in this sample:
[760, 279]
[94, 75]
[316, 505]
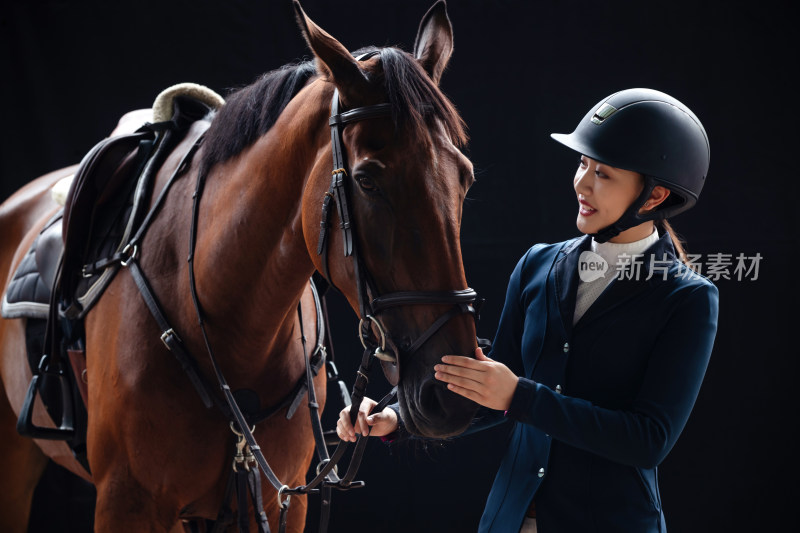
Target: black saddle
[71, 262]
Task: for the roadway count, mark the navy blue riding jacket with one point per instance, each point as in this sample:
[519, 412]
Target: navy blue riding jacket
[599, 404]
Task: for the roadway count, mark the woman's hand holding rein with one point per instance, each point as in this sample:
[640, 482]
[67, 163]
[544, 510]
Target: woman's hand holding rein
[376, 424]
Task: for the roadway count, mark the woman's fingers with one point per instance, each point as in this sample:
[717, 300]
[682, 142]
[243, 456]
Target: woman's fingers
[346, 430]
[362, 428]
[480, 356]
[483, 380]
[469, 380]
[383, 423]
[466, 362]
[461, 371]
[466, 393]
[343, 426]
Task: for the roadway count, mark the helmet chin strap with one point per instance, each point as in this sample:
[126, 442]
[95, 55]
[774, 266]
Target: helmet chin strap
[631, 216]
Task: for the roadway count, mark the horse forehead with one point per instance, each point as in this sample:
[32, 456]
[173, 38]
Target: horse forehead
[442, 145]
[434, 153]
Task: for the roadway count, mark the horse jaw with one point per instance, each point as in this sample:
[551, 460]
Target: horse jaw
[427, 407]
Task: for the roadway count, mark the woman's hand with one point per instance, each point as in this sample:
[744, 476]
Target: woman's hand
[482, 380]
[376, 425]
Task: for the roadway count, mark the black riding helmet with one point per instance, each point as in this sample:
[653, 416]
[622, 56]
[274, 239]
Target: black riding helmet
[652, 133]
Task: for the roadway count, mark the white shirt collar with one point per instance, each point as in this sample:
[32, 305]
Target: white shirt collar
[610, 251]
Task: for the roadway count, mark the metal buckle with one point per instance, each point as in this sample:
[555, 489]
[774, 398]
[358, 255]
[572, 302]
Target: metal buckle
[362, 337]
[380, 351]
[322, 465]
[166, 334]
[131, 257]
[283, 504]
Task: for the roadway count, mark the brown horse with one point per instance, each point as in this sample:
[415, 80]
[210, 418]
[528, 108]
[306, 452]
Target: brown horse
[157, 455]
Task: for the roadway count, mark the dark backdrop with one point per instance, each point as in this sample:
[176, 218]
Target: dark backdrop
[521, 69]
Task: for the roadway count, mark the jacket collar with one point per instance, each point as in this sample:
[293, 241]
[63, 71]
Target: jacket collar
[660, 255]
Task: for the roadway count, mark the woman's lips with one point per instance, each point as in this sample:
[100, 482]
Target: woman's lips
[586, 209]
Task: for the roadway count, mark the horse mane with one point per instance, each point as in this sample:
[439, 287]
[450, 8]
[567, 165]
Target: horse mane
[416, 101]
[251, 111]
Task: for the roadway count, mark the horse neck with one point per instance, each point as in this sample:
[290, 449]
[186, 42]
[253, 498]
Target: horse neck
[252, 263]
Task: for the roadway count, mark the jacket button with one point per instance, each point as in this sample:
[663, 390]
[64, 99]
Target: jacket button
[566, 347]
[541, 472]
[558, 389]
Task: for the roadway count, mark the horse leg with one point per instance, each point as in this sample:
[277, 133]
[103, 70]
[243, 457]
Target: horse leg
[22, 464]
[123, 505]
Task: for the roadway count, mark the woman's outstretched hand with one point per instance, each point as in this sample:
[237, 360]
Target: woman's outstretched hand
[482, 380]
[375, 425]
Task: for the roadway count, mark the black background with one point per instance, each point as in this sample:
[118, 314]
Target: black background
[520, 71]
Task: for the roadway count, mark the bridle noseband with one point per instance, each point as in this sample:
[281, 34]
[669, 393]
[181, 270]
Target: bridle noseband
[461, 300]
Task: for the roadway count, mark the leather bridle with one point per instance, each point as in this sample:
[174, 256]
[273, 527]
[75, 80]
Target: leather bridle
[370, 304]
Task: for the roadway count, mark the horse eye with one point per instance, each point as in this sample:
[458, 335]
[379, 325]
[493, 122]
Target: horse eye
[366, 183]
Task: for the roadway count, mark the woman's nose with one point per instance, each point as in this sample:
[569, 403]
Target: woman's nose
[582, 182]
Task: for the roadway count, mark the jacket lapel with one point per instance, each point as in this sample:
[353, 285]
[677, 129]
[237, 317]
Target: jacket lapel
[565, 280]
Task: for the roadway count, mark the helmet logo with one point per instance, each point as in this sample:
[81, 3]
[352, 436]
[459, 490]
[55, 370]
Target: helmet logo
[605, 111]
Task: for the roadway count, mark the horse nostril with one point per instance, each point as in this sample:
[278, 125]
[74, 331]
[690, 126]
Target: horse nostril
[430, 399]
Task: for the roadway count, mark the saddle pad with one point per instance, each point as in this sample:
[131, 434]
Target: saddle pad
[28, 294]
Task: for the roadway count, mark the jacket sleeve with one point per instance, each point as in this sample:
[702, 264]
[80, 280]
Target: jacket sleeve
[506, 347]
[644, 435]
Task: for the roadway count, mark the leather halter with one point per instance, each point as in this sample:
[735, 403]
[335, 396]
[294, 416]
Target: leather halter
[462, 300]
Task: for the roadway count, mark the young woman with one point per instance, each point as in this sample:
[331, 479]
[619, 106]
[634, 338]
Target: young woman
[604, 339]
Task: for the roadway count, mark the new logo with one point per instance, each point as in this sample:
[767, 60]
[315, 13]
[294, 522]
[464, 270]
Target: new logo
[591, 266]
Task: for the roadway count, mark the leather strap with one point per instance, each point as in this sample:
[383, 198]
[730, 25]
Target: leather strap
[359, 113]
[169, 337]
[338, 186]
[456, 297]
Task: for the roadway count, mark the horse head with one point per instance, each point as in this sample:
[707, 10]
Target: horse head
[403, 184]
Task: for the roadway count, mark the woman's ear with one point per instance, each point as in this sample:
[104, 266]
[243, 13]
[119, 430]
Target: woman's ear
[657, 197]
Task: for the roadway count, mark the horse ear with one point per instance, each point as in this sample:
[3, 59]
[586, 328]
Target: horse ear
[333, 59]
[434, 43]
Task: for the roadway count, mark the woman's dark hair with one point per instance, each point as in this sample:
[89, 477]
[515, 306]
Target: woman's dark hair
[677, 242]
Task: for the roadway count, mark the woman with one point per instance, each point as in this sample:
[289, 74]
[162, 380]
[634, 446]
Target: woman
[604, 339]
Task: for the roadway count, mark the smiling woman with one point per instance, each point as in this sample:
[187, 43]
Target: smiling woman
[597, 373]
[604, 194]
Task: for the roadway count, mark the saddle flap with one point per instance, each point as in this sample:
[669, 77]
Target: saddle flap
[100, 167]
[48, 251]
